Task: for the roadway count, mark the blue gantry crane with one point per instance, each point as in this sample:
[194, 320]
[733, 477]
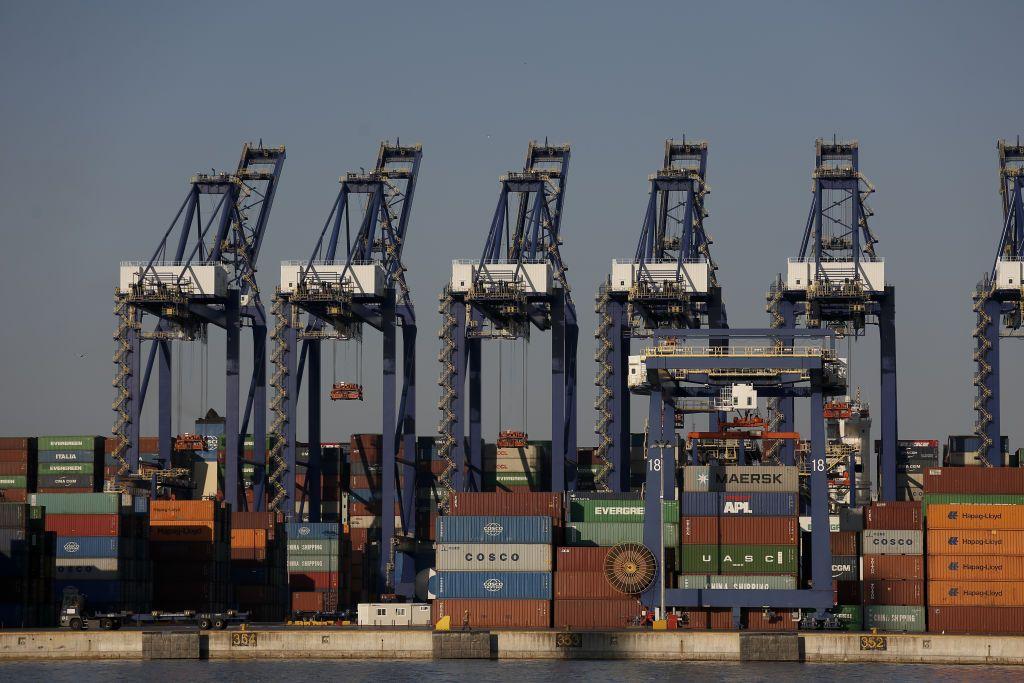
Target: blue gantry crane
[999, 303]
[202, 273]
[343, 286]
[838, 282]
[518, 282]
[670, 283]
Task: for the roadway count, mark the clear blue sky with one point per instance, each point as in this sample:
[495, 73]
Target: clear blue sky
[109, 107]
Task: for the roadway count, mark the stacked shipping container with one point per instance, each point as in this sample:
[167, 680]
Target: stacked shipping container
[189, 544]
[314, 563]
[258, 571]
[69, 464]
[516, 469]
[18, 466]
[975, 550]
[893, 567]
[26, 567]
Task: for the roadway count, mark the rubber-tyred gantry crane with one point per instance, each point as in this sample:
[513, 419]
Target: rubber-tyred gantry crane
[999, 304]
[517, 283]
[353, 278]
[670, 283]
[202, 273]
[838, 282]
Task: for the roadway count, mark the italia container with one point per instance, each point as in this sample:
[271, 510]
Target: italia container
[975, 542]
[484, 613]
[514, 557]
[895, 618]
[976, 568]
[893, 515]
[739, 504]
[596, 614]
[888, 542]
[494, 529]
[731, 479]
[604, 510]
[892, 592]
[596, 533]
[738, 582]
[979, 517]
[976, 593]
[492, 585]
[977, 480]
[526, 503]
[892, 567]
[739, 559]
[976, 620]
[580, 558]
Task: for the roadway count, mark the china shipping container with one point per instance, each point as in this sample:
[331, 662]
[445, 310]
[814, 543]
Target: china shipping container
[737, 582]
[728, 478]
[974, 516]
[893, 515]
[972, 568]
[976, 620]
[493, 557]
[893, 567]
[895, 618]
[887, 542]
[596, 614]
[976, 593]
[975, 542]
[484, 613]
[892, 592]
[976, 480]
[493, 585]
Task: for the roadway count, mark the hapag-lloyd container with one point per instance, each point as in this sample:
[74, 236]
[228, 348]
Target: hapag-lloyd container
[981, 568]
[981, 517]
[483, 613]
[494, 529]
[513, 557]
[580, 558]
[492, 585]
[737, 582]
[891, 542]
[894, 618]
[739, 559]
[893, 567]
[976, 620]
[585, 585]
[892, 592]
[976, 593]
[741, 478]
[975, 542]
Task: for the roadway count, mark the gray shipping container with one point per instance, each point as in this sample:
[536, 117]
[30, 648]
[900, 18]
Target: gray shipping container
[845, 568]
[741, 478]
[739, 582]
[514, 557]
[886, 542]
[892, 618]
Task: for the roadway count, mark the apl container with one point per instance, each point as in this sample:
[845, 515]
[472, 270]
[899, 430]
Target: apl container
[894, 618]
[737, 582]
[974, 516]
[976, 568]
[975, 542]
[976, 593]
[514, 557]
[729, 478]
[492, 585]
[739, 559]
[494, 529]
[887, 542]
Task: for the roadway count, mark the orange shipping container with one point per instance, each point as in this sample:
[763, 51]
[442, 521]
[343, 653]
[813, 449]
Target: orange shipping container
[975, 542]
[176, 531]
[895, 567]
[182, 510]
[970, 516]
[980, 593]
[248, 538]
[976, 568]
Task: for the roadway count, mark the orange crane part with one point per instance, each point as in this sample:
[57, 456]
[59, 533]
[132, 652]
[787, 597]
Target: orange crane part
[346, 391]
[791, 436]
[189, 442]
[511, 439]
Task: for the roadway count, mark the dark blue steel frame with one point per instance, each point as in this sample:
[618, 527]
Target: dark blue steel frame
[235, 242]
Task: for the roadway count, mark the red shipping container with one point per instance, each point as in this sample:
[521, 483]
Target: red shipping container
[772, 620]
[702, 619]
[13, 495]
[83, 525]
[493, 613]
[16, 443]
[846, 592]
[986, 480]
[14, 468]
[759, 530]
[526, 503]
[976, 593]
[892, 593]
[584, 585]
[15, 455]
[359, 538]
[977, 620]
[73, 489]
[318, 601]
[699, 530]
[894, 567]
[580, 559]
[843, 543]
[896, 515]
[580, 615]
[314, 581]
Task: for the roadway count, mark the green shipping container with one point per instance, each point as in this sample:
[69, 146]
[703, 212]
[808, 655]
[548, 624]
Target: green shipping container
[78, 503]
[612, 533]
[320, 548]
[581, 510]
[972, 498]
[69, 443]
[894, 618]
[66, 468]
[19, 481]
[850, 616]
[739, 559]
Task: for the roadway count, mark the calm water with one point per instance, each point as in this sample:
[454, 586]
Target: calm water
[304, 671]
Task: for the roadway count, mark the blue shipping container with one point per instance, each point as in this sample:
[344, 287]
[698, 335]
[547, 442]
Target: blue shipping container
[67, 456]
[102, 593]
[319, 531]
[87, 546]
[493, 529]
[492, 585]
[753, 504]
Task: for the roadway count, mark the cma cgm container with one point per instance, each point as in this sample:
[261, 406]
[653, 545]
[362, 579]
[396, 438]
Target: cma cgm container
[494, 529]
[492, 585]
[731, 479]
[485, 613]
[516, 557]
[739, 504]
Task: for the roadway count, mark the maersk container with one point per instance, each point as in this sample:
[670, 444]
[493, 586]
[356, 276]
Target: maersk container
[72, 443]
[609, 510]
[87, 546]
[737, 582]
[739, 559]
[894, 618]
[493, 529]
[889, 542]
[513, 557]
[741, 478]
[317, 531]
[612, 533]
[494, 585]
[739, 504]
[78, 503]
[66, 456]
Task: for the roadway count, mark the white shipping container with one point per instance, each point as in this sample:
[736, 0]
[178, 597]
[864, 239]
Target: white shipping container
[370, 522]
[513, 557]
[99, 564]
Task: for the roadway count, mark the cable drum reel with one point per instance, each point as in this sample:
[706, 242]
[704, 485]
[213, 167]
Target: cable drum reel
[630, 568]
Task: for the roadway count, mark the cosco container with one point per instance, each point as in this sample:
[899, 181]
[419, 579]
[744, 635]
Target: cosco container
[739, 504]
[741, 478]
[494, 529]
[975, 542]
[484, 613]
[318, 531]
[596, 533]
[894, 567]
[737, 582]
[981, 517]
[493, 585]
[739, 559]
[87, 546]
[976, 593]
[515, 557]
[888, 542]
[894, 618]
[603, 510]
[976, 620]
[976, 568]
